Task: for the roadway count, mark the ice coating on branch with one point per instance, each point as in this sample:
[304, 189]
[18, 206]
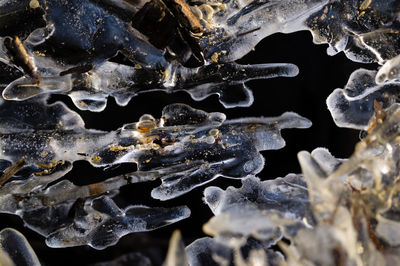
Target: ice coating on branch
[15, 249]
[185, 148]
[97, 33]
[352, 209]
[123, 49]
[233, 28]
[361, 99]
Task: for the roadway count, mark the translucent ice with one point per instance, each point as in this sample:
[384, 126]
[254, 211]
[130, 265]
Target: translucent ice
[361, 98]
[97, 33]
[250, 220]
[185, 148]
[340, 212]
[208, 251]
[367, 31]
[176, 252]
[15, 249]
[121, 49]
[97, 222]
[355, 207]
[100, 223]
[390, 71]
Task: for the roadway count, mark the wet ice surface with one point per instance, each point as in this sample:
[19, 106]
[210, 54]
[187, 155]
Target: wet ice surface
[185, 148]
[365, 30]
[250, 220]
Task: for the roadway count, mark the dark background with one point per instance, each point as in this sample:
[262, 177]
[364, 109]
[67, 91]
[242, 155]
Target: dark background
[305, 94]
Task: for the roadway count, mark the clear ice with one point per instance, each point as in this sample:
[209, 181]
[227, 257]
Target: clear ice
[336, 212]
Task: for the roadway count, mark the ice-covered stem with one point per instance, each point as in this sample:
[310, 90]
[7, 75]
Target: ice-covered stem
[233, 29]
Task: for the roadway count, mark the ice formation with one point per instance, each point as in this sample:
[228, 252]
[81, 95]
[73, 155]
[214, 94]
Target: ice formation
[185, 148]
[15, 249]
[337, 212]
[213, 34]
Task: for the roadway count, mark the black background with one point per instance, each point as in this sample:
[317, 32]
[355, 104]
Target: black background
[305, 94]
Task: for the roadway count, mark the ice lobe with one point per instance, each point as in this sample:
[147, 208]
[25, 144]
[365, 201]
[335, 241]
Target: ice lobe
[251, 219]
[116, 52]
[361, 99]
[70, 215]
[100, 223]
[367, 31]
[354, 206]
[290, 192]
[185, 148]
[233, 28]
[338, 211]
[15, 249]
[207, 251]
